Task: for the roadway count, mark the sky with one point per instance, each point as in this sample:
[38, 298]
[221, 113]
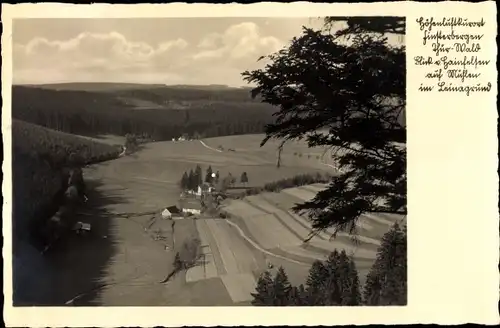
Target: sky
[147, 50]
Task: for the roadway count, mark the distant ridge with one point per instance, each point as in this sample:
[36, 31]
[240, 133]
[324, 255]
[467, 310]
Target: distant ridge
[92, 86]
[112, 86]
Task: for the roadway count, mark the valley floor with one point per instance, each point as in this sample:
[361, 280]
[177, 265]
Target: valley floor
[131, 248]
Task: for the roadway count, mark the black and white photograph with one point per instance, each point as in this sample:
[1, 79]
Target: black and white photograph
[209, 161]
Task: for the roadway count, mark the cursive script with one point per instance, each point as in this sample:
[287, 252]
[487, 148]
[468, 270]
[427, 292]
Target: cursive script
[454, 62]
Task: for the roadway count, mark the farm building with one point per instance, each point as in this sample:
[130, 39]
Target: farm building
[166, 214]
[191, 206]
[174, 210]
[204, 188]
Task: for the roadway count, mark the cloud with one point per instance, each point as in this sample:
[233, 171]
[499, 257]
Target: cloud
[111, 56]
[240, 43]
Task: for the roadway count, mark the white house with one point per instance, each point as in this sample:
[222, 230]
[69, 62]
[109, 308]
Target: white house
[191, 210]
[193, 207]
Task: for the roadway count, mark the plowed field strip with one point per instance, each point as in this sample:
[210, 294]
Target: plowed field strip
[299, 231]
[245, 259]
[239, 286]
[227, 254]
[208, 239]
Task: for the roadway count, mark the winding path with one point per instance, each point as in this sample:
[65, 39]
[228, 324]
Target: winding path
[207, 146]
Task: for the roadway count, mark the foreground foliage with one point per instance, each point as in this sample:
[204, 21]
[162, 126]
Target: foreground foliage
[335, 282]
[351, 83]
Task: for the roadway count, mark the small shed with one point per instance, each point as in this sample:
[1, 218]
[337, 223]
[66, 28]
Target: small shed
[166, 214]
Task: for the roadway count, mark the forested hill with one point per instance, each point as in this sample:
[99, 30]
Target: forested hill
[39, 156]
[160, 111]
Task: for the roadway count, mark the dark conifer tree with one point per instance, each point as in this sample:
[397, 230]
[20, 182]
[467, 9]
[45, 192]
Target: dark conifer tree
[298, 296]
[191, 180]
[184, 181]
[264, 292]
[332, 287]
[244, 178]
[198, 176]
[217, 176]
[386, 282]
[356, 90]
[208, 177]
[315, 283]
[282, 288]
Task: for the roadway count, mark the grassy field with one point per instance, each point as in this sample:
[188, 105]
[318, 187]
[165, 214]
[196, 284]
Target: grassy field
[269, 221]
[263, 229]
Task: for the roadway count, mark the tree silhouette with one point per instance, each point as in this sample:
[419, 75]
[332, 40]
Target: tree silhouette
[282, 288]
[244, 178]
[331, 286]
[264, 292]
[208, 177]
[348, 281]
[299, 296]
[315, 283]
[184, 181]
[191, 180]
[198, 177]
[352, 294]
[356, 91]
[386, 283]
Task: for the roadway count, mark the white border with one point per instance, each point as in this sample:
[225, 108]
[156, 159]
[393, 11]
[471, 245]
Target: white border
[452, 187]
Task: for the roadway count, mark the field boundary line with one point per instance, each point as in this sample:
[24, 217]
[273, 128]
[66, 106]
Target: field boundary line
[307, 227]
[207, 146]
[254, 244]
[277, 217]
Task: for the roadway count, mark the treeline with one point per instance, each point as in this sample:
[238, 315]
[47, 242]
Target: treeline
[40, 161]
[189, 93]
[296, 181]
[159, 93]
[55, 147]
[335, 282]
[195, 178]
[94, 113]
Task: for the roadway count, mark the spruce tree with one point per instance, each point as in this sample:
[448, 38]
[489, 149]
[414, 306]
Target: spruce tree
[315, 282]
[387, 280]
[184, 181]
[199, 176]
[332, 287]
[191, 180]
[282, 288]
[352, 294]
[298, 296]
[208, 177]
[344, 277]
[217, 176]
[264, 292]
[244, 178]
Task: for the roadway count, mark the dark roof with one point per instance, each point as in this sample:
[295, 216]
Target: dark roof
[173, 209]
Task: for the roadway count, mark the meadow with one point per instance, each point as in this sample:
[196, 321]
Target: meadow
[261, 228]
